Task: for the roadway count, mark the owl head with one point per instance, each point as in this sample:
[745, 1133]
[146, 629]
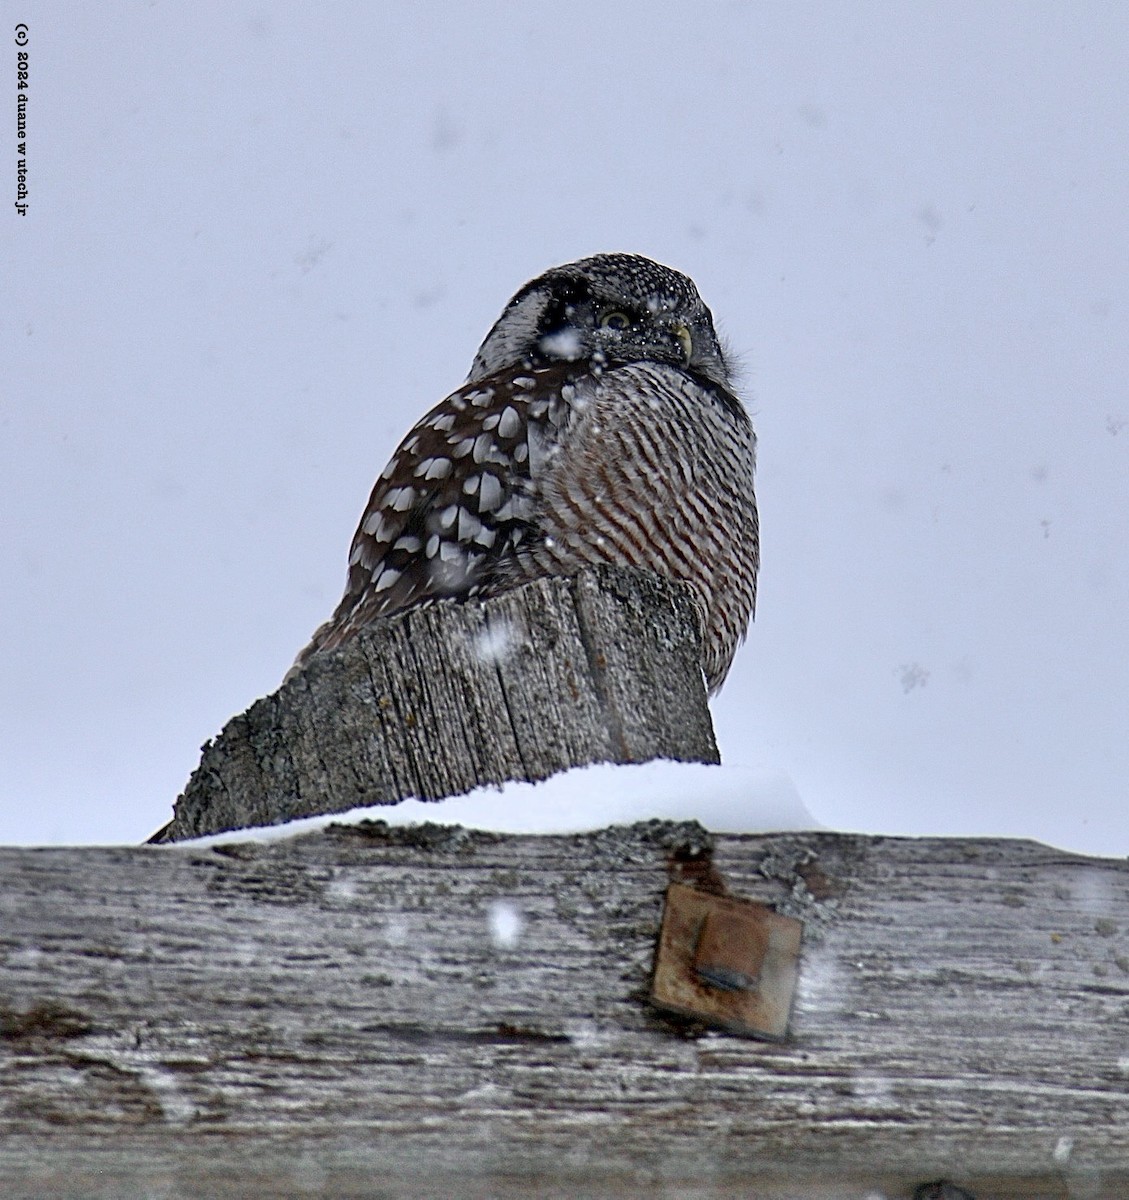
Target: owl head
[611, 309]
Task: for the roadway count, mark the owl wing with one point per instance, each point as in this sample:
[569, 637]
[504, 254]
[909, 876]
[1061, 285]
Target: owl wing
[454, 502]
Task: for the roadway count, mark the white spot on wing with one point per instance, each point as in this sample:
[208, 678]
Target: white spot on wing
[490, 494]
[434, 468]
[469, 526]
[400, 499]
[375, 525]
[509, 422]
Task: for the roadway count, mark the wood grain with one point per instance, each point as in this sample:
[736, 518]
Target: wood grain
[330, 1015]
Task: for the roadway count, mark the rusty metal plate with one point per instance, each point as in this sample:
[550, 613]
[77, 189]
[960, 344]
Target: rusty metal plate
[731, 963]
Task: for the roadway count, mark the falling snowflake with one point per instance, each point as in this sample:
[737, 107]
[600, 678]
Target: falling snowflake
[495, 643]
[505, 924]
[913, 675]
[564, 343]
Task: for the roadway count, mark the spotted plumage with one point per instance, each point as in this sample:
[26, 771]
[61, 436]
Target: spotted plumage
[598, 425]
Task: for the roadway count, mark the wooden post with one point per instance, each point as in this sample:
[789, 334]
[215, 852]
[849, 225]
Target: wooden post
[430, 1011]
[603, 667]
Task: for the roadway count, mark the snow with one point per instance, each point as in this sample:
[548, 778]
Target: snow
[564, 344]
[505, 923]
[497, 642]
[722, 798]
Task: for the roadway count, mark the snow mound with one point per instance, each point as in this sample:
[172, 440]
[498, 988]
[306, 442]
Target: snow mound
[725, 799]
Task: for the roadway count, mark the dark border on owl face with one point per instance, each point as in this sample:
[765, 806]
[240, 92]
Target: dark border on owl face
[566, 295]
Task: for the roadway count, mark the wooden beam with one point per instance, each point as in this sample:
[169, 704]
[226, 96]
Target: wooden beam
[431, 1011]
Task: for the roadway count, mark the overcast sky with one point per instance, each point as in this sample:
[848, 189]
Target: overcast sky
[261, 239]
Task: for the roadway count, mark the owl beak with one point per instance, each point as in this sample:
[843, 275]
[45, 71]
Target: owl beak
[681, 334]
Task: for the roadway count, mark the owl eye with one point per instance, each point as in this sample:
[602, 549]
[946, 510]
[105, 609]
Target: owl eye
[684, 339]
[619, 321]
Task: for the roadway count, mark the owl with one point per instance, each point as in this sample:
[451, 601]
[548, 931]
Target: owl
[598, 424]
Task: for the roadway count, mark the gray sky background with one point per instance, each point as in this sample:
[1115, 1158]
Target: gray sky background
[263, 238]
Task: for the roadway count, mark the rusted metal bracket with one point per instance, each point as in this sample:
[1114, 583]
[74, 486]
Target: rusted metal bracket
[731, 963]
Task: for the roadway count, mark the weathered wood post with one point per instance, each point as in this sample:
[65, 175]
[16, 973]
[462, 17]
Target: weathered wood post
[436, 701]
